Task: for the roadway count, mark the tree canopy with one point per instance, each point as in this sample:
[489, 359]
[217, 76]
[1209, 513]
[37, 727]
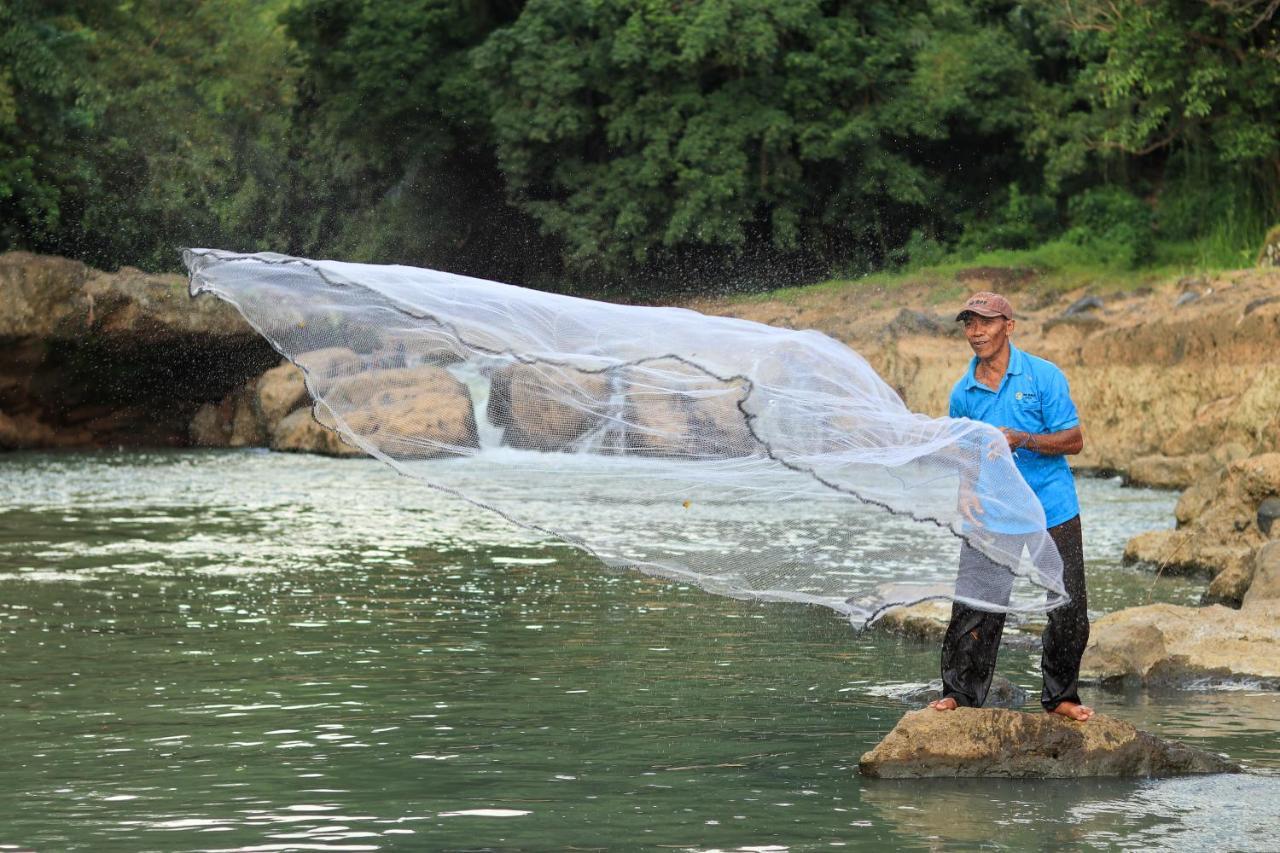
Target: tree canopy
[685, 143]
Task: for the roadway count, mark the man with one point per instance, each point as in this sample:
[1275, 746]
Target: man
[1028, 400]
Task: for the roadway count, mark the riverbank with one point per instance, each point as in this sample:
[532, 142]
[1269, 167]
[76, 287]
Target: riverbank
[1172, 380]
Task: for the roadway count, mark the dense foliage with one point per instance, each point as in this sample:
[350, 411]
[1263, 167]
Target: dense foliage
[688, 142]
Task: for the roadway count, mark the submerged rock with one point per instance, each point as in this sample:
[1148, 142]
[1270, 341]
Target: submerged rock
[989, 742]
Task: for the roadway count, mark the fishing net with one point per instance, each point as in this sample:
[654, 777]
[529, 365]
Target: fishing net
[752, 461]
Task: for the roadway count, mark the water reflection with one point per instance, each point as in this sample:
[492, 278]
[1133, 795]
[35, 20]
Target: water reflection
[197, 656]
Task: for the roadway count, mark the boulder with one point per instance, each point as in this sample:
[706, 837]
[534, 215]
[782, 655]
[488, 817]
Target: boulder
[1218, 529]
[408, 413]
[673, 409]
[1268, 512]
[1178, 472]
[546, 407]
[991, 742]
[278, 392]
[89, 358]
[1265, 585]
[210, 426]
[1168, 643]
[299, 432]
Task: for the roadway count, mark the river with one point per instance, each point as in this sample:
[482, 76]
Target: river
[242, 650]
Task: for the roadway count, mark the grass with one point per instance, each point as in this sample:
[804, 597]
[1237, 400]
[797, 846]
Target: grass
[1059, 266]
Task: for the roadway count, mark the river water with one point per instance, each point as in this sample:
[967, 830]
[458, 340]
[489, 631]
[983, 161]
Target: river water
[260, 652]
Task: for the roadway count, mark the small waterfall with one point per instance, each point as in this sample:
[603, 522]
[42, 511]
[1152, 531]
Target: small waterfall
[610, 437]
[479, 386]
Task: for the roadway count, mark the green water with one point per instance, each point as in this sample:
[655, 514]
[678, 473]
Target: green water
[257, 652]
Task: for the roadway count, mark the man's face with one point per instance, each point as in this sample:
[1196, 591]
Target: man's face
[987, 335]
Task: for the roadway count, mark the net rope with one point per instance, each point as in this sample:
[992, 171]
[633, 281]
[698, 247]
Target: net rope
[753, 461]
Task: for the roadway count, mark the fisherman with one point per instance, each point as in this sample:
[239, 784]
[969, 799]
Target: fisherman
[1027, 398]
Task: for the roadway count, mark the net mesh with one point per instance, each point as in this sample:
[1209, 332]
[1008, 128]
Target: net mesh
[749, 460]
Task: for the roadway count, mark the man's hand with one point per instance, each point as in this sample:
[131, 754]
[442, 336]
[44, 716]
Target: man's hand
[1015, 438]
[971, 507]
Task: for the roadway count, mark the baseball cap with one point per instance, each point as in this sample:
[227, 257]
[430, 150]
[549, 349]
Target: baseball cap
[987, 304]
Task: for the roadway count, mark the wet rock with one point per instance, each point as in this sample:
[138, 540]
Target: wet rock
[547, 407]
[278, 392]
[1003, 693]
[408, 413]
[1171, 644]
[1268, 512]
[925, 621]
[299, 432]
[89, 358]
[1217, 528]
[989, 742]
[210, 426]
[674, 410]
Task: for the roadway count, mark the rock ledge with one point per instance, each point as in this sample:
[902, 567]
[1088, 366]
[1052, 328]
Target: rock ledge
[990, 742]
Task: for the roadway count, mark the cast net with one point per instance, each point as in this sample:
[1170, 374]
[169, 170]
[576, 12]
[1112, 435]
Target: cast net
[752, 461]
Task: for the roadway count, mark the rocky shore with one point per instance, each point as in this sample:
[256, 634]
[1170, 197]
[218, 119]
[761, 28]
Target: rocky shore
[1178, 387]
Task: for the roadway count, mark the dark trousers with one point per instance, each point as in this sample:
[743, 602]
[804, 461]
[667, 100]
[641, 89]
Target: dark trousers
[973, 637]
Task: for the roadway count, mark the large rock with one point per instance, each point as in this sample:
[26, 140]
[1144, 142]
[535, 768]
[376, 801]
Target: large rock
[1218, 528]
[1167, 643]
[1266, 576]
[278, 392]
[299, 432]
[89, 358]
[547, 407]
[407, 413]
[1178, 472]
[673, 409]
[989, 742]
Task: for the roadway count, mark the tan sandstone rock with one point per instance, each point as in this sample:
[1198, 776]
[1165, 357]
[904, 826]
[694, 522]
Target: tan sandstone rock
[1217, 528]
[408, 413]
[278, 392]
[1265, 586]
[1178, 472]
[299, 432]
[991, 742]
[675, 410]
[546, 407]
[1169, 643]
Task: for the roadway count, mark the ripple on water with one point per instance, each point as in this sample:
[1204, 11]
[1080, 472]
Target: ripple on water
[249, 651]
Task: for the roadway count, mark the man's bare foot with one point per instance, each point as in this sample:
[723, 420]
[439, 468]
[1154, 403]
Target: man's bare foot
[1073, 711]
[947, 704]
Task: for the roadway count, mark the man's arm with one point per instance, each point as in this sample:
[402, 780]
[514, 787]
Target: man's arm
[1065, 443]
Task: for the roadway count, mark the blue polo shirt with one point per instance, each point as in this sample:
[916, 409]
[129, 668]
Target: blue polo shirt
[1033, 397]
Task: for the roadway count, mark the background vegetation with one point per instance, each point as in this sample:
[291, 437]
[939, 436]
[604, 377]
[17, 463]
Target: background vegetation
[660, 144]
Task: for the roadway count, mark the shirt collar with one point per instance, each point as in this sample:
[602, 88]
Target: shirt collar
[1017, 363]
